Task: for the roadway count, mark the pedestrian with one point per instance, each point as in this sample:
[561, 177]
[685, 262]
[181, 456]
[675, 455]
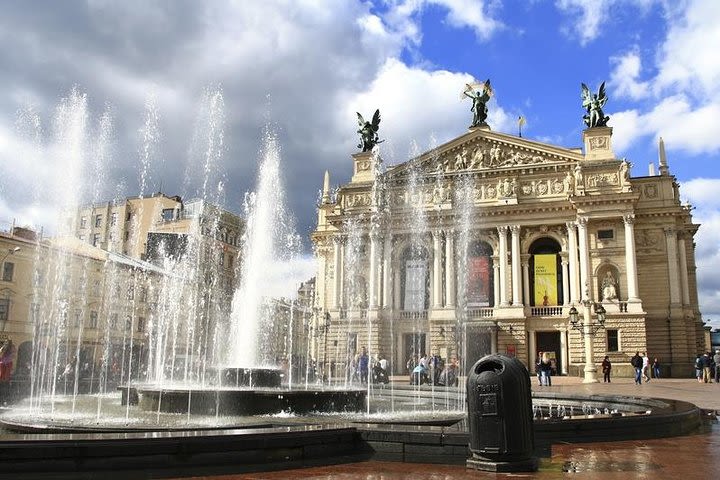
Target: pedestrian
[637, 362]
[707, 367]
[646, 367]
[606, 368]
[7, 352]
[363, 366]
[546, 370]
[538, 362]
[699, 368]
[656, 367]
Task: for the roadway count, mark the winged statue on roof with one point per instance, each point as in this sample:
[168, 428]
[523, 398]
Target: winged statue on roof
[368, 132]
[593, 104]
[479, 93]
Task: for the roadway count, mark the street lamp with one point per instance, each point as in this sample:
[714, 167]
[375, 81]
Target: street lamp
[10, 251]
[588, 328]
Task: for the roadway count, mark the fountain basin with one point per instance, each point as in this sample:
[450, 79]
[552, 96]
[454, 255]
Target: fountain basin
[236, 401]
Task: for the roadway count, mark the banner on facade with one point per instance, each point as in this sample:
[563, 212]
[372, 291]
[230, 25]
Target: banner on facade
[545, 280]
[415, 274]
[478, 284]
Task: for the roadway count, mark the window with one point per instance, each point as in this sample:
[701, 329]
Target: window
[96, 240]
[613, 340]
[83, 222]
[93, 319]
[141, 324]
[143, 294]
[98, 220]
[4, 309]
[605, 234]
[168, 214]
[114, 321]
[131, 292]
[113, 218]
[8, 271]
[128, 323]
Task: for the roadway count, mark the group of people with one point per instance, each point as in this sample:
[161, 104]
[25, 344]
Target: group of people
[641, 364]
[707, 367]
[359, 368]
[432, 370]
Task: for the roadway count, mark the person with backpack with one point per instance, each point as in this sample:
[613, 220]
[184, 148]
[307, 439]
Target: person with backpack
[699, 368]
[637, 362]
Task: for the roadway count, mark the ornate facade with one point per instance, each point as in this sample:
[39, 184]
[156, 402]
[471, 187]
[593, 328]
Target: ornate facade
[483, 245]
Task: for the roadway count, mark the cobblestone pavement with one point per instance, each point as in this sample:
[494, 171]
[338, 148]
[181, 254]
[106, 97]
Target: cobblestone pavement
[693, 456]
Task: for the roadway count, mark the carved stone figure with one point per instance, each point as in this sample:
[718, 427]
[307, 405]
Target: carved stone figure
[495, 153]
[579, 178]
[609, 287]
[368, 132]
[461, 160]
[480, 94]
[478, 158]
[593, 104]
[568, 183]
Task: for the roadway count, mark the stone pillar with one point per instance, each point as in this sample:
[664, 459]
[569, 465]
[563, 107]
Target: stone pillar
[563, 352]
[525, 259]
[387, 258]
[496, 282]
[516, 275]
[673, 273]
[373, 274]
[532, 351]
[630, 258]
[584, 244]
[573, 263]
[337, 259]
[565, 282]
[449, 268]
[684, 282]
[502, 232]
[437, 269]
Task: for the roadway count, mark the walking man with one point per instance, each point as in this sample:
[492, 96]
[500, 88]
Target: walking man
[637, 362]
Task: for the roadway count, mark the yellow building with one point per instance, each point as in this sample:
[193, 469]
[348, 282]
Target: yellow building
[487, 242]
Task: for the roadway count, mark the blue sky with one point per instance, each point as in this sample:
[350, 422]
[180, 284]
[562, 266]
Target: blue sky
[308, 66]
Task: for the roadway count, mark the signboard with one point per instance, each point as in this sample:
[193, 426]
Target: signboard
[545, 280]
[478, 285]
[415, 273]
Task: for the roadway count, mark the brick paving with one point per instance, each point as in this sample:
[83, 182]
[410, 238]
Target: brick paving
[693, 456]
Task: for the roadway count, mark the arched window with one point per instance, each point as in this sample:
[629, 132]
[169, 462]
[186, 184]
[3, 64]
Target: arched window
[545, 273]
[414, 279]
[356, 292]
[480, 275]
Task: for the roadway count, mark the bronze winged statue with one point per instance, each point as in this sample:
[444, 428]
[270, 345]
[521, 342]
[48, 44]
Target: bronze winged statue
[593, 104]
[368, 132]
[480, 94]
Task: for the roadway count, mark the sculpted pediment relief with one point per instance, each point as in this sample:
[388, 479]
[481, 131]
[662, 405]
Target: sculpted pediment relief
[480, 153]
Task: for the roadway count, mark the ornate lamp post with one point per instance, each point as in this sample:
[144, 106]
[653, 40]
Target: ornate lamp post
[588, 328]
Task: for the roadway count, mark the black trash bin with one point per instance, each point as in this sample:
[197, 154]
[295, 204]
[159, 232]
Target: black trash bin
[500, 416]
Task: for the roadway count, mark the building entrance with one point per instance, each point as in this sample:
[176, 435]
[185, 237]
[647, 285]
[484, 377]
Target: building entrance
[478, 343]
[550, 342]
[413, 345]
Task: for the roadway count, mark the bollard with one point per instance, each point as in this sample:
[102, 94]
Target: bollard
[500, 416]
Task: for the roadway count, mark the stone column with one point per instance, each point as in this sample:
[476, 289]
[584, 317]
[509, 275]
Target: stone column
[584, 244]
[573, 263]
[437, 269]
[387, 258]
[337, 252]
[563, 352]
[565, 282]
[373, 274]
[525, 258]
[449, 268]
[516, 276]
[684, 282]
[630, 258]
[496, 282]
[673, 273]
[502, 233]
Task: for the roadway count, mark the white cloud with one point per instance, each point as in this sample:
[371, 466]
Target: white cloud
[683, 101]
[587, 17]
[624, 77]
[412, 100]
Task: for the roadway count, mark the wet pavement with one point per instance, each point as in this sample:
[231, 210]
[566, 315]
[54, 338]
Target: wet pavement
[693, 456]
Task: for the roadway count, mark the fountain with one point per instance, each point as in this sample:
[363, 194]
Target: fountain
[218, 387]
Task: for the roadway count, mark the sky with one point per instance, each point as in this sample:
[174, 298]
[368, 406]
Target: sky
[303, 68]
